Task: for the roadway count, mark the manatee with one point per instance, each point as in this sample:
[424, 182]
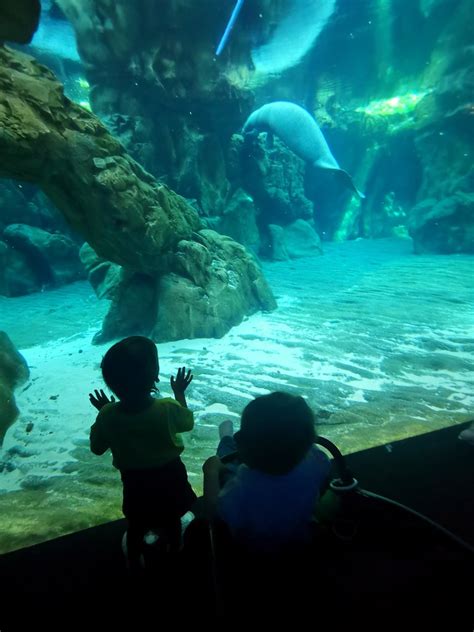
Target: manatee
[300, 132]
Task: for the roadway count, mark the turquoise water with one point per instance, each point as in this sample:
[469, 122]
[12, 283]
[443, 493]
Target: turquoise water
[380, 342]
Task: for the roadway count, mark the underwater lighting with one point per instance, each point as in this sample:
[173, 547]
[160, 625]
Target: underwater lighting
[86, 105]
[404, 104]
[83, 83]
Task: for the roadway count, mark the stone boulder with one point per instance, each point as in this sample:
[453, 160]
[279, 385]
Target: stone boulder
[298, 239]
[132, 295]
[17, 276]
[274, 177]
[53, 258]
[106, 197]
[444, 226]
[301, 240]
[13, 373]
[238, 221]
[133, 307]
[212, 285]
[104, 276]
[22, 203]
[19, 20]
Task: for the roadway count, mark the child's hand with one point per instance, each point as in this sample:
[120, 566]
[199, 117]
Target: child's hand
[181, 382]
[100, 399]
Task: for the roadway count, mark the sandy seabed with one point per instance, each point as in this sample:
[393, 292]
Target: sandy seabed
[380, 342]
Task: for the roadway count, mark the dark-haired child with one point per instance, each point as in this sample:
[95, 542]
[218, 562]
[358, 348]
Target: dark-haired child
[269, 503]
[143, 434]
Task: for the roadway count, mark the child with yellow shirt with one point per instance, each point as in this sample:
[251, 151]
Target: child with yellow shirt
[143, 434]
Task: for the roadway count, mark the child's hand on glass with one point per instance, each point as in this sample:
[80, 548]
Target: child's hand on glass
[182, 380]
[100, 399]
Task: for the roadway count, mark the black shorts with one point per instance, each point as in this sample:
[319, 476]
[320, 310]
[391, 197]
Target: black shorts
[156, 496]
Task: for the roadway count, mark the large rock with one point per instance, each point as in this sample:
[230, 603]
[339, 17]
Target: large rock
[238, 221]
[211, 285]
[22, 203]
[24, 263]
[19, 20]
[123, 213]
[133, 307]
[214, 283]
[444, 226]
[104, 276]
[298, 239]
[274, 177]
[106, 196]
[302, 240]
[53, 258]
[13, 373]
[17, 276]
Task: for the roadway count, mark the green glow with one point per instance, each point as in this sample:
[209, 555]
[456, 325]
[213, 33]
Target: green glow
[86, 105]
[83, 83]
[404, 104]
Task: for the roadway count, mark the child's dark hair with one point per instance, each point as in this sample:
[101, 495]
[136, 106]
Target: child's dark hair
[276, 432]
[130, 367]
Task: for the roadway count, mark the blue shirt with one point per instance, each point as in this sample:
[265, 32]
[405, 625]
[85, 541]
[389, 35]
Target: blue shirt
[265, 512]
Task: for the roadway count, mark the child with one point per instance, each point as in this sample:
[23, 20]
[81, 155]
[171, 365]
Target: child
[269, 503]
[143, 434]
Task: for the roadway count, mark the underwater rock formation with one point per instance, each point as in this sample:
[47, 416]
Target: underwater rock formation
[104, 276]
[105, 196]
[51, 259]
[298, 239]
[274, 178]
[13, 373]
[213, 283]
[445, 226]
[407, 117]
[121, 211]
[19, 20]
[238, 221]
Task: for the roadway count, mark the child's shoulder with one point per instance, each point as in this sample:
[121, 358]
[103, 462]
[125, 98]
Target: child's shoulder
[318, 454]
[169, 405]
[107, 410]
[319, 459]
[165, 402]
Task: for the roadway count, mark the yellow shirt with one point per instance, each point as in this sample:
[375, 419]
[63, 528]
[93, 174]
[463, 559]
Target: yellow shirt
[149, 438]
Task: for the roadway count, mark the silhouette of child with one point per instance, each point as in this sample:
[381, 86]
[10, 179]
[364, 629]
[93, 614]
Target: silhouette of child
[269, 502]
[143, 434]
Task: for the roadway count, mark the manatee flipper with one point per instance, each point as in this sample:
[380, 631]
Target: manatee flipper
[269, 140]
[347, 181]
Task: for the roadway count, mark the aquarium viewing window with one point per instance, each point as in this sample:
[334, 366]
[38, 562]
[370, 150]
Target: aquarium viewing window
[278, 194]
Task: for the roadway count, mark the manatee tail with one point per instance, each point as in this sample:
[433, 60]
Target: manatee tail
[347, 181]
